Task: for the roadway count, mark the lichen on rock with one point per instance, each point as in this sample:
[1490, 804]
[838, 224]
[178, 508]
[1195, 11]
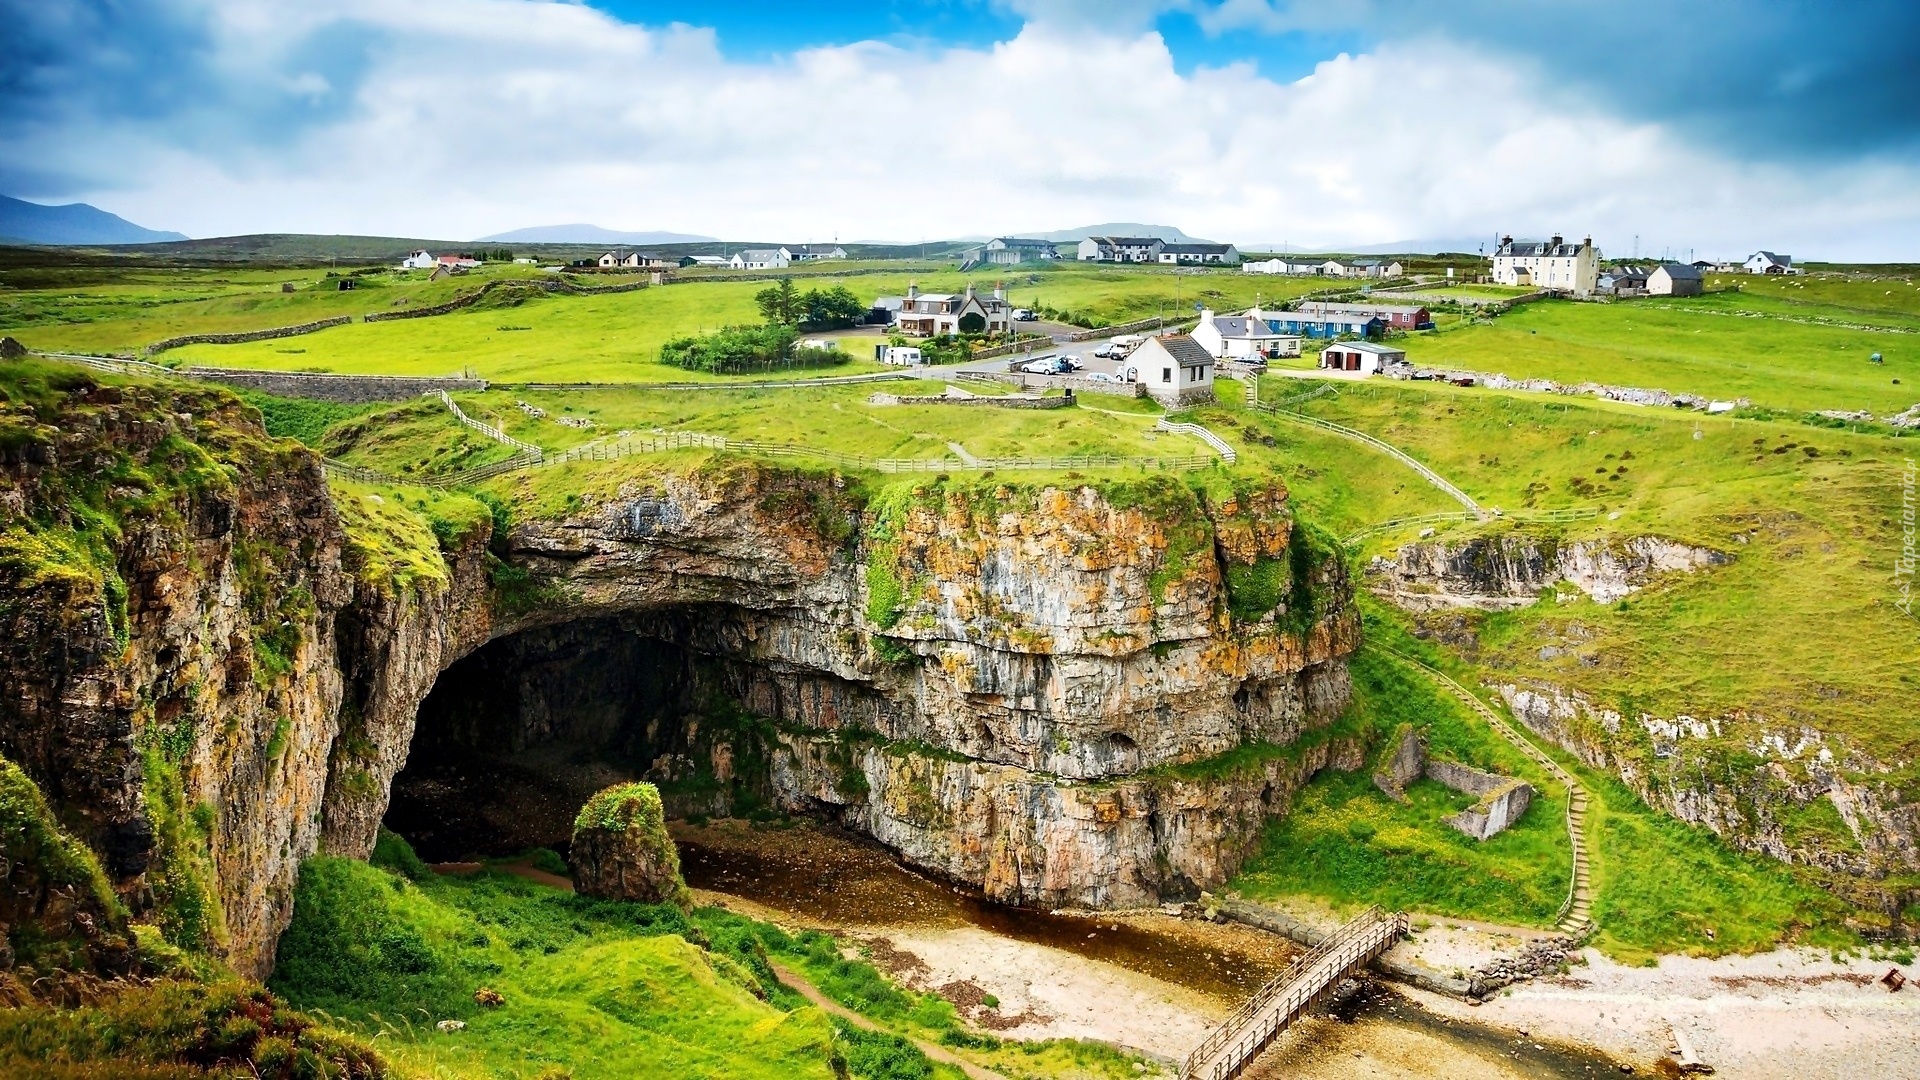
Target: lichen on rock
[621, 850]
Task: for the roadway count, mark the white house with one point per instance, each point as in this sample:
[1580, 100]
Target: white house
[813, 252]
[1242, 337]
[1552, 264]
[933, 314]
[1199, 254]
[1365, 357]
[1281, 266]
[1675, 279]
[418, 260]
[1176, 369]
[1766, 262]
[1335, 268]
[1013, 250]
[761, 259]
[1121, 249]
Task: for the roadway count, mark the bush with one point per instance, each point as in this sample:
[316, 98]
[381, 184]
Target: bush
[734, 350]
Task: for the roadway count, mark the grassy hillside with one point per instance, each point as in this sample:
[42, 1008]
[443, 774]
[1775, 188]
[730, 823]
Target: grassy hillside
[1791, 345]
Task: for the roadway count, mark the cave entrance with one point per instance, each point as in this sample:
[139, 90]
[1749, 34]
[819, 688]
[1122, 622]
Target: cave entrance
[515, 736]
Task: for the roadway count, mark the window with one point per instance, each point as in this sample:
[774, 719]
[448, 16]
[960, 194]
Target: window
[1166, 374]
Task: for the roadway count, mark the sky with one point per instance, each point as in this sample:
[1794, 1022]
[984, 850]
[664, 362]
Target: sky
[1703, 127]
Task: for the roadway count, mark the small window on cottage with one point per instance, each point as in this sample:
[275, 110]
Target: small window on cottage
[1166, 374]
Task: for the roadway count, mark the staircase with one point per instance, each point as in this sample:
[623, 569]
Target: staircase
[1575, 918]
[1276, 1006]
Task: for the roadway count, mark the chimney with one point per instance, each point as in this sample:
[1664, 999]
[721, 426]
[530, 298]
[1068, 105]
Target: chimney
[999, 290]
[1506, 241]
[913, 291]
[1587, 243]
[1557, 238]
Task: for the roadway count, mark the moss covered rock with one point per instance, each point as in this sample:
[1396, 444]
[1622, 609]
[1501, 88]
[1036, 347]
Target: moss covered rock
[57, 911]
[621, 850]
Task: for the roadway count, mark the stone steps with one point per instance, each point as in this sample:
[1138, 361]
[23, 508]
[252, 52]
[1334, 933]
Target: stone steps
[1577, 918]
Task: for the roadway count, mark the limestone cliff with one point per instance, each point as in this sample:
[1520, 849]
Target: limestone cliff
[1512, 569]
[219, 661]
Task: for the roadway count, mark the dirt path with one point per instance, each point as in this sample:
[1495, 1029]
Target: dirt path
[934, 1051]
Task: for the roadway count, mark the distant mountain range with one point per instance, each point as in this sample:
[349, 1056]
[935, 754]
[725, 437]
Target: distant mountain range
[73, 223]
[1113, 228]
[589, 234]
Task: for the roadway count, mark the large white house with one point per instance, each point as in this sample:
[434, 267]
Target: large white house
[933, 314]
[1281, 266]
[1199, 253]
[761, 259]
[1551, 264]
[418, 260]
[1242, 337]
[1176, 369]
[1121, 249]
[1766, 262]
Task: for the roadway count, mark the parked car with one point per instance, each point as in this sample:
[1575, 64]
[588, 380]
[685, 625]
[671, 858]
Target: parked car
[1024, 315]
[1072, 362]
[1104, 352]
[1046, 366]
[1101, 376]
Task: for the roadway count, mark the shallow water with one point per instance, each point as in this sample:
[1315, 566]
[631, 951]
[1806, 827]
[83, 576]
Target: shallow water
[824, 877]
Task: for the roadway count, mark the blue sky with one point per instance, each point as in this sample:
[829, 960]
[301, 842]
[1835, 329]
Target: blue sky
[1710, 125]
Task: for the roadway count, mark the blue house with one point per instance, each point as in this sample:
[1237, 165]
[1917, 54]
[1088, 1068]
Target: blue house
[1323, 324]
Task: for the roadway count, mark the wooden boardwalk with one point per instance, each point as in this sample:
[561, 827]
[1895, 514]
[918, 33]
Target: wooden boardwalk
[1277, 1005]
[1576, 913]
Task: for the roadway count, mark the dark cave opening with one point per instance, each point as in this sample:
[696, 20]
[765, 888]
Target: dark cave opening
[517, 735]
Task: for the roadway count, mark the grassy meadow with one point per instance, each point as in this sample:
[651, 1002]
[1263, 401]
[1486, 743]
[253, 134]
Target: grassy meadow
[1765, 342]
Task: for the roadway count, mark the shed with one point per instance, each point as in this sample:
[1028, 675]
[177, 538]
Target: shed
[1365, 357]
[1675, 279]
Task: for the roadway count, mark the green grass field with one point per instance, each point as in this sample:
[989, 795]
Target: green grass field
[1724, 344]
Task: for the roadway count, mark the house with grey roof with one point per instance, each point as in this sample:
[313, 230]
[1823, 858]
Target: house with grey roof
[1121, 249]
[761, 259]
[1555, 265]
[1242, 337]
[1396, 316]
[1766, 262]
[1200, 253]
[1013, 250]
[813, 252]
[1175, 369]
[1676, 279]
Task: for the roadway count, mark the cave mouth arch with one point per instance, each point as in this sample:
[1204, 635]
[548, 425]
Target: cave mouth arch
[515, 736]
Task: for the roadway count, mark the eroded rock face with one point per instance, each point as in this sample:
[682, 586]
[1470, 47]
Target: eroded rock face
[1000, 664]
[1511, 570]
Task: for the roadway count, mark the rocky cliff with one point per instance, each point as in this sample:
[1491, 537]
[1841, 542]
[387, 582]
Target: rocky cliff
[220, 661]
[1511, 569]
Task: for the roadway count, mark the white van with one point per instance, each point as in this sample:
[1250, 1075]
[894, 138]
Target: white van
[902, 355]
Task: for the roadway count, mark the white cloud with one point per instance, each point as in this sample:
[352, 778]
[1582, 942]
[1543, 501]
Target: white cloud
[477, 117]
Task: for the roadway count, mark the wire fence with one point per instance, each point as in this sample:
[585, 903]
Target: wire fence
[1219, 444]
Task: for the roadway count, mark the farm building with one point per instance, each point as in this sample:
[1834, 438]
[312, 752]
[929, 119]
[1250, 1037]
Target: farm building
[1242, 337]
[1176, 369]
[1396, 316]
[418, 260]
[458, 262]
[1365, 357]
[1199, 254]
[1675, 279]
[1766, 262]
[1552, 264]
[706, 260]
[1622, 281]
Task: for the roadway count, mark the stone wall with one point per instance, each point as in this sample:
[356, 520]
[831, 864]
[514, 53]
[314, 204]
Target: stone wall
[1005, 402]
[247, 335]
[349, 389]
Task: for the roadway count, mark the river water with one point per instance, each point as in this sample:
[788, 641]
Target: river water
[1148, 981]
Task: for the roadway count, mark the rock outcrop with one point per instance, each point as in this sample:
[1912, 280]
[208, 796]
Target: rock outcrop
[1511, 570]
[621, 850]
[217, 672]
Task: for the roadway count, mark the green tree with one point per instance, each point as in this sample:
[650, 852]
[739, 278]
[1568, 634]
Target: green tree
[779, 304]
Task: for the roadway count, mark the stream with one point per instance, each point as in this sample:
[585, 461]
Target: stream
[1144, 980]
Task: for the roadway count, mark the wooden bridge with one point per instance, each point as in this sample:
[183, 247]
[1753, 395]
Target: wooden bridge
[1277, 1005]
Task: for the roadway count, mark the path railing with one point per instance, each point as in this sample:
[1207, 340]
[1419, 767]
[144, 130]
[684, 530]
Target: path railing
[1392, 451]
[1219, 444]
[1284, 999]
[487, 429]
[1575, 917]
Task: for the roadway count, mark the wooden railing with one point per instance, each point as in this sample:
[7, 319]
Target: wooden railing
[1285, 998]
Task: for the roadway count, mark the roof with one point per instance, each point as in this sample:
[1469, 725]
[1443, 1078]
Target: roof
[759, 254]
[1363, 309]
[891, 303]
[1126, 241]
[1681, 271]
[1538, 249]
[1241, 326]
[1196, 249]
[1021, 241]
[1783, 260]
[1368, 347]
[1186, 350]
[1323, 316]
